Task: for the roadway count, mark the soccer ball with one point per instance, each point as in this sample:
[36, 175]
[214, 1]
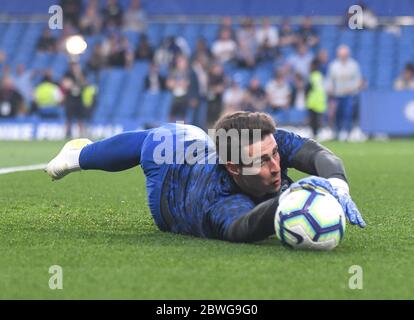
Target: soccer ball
[309, 218]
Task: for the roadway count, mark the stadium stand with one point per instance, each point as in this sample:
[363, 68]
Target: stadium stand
[381, 53]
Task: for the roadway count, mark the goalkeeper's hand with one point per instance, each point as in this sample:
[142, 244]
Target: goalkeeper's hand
[339, 189]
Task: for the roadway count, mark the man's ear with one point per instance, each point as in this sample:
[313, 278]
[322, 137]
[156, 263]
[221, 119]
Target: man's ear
[233, 169]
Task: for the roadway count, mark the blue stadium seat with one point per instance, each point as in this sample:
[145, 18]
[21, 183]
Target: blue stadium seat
[191, 33]
[154, 32]
[149, 108]
[109, 92]
[347, 37]
[280, 117]
[191, 29]
[296, 117]
[41, 60]
[328, 32]
[210, 32]
[241, 76]
[172, 29]
[133, 37]
[165, 107]
[367, 38]
[264, 76]
[59, 65]
[130, 96]
[128, 105]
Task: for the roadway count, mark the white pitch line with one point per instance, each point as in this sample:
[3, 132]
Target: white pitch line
[23, 168]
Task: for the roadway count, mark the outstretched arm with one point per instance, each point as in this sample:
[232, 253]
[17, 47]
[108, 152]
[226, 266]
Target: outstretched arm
[315, 159]
[308, 156]
[238, 219]
[256, 225]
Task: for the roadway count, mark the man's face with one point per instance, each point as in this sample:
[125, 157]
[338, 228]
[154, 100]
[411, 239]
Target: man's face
[408, 74]
[343, 53]
[264, 176]
[302, 50]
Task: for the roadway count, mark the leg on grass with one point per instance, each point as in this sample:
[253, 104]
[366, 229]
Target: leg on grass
[120, 152]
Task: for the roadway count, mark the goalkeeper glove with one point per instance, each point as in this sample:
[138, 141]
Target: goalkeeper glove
[339, 189]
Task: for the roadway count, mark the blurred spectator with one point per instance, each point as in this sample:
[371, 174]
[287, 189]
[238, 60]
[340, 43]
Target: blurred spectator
[255, 97]
[201, 48]
[164, 54]
[224, 48]
[406, 80]
[135, 18]
[11, 101]
[72, 85]
[247, 45]
[91, 21]
[307, 33]
[112, 15]
[120, 54]
[170, 48]
[108, 43]
[300, 61]
[267, 35]
[96, 62]
[182, 44]
[216, 86]
[89, 94]
[154, 82]
[46, 42]
[227, 24]
[267, 38]
[178, 83]
[316, 97]
[6, 71]
[200, 69]
[298, 92]
[22, 79]
[71, 11]
[266, 53]
[233, 97]
[3, 58]
[323, 61]
[144, 50]
[47, 98]
[278, 92]
[279, 61]
[287, 36]
[344, 82]
[246, 55]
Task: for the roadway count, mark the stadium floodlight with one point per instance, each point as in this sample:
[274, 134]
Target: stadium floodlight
[76, 45]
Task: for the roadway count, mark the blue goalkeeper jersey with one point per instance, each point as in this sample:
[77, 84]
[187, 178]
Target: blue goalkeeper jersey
[201, 198]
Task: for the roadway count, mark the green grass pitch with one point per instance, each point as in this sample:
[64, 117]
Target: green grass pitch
[97, 227]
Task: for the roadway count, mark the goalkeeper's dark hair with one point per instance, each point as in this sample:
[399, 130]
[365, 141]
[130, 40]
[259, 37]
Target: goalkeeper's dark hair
[240, 120]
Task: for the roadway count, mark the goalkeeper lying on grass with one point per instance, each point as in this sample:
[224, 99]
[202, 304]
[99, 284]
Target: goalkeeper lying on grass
[225, 190]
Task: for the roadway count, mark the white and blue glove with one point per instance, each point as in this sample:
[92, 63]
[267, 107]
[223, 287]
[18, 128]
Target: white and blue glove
[339, 189]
